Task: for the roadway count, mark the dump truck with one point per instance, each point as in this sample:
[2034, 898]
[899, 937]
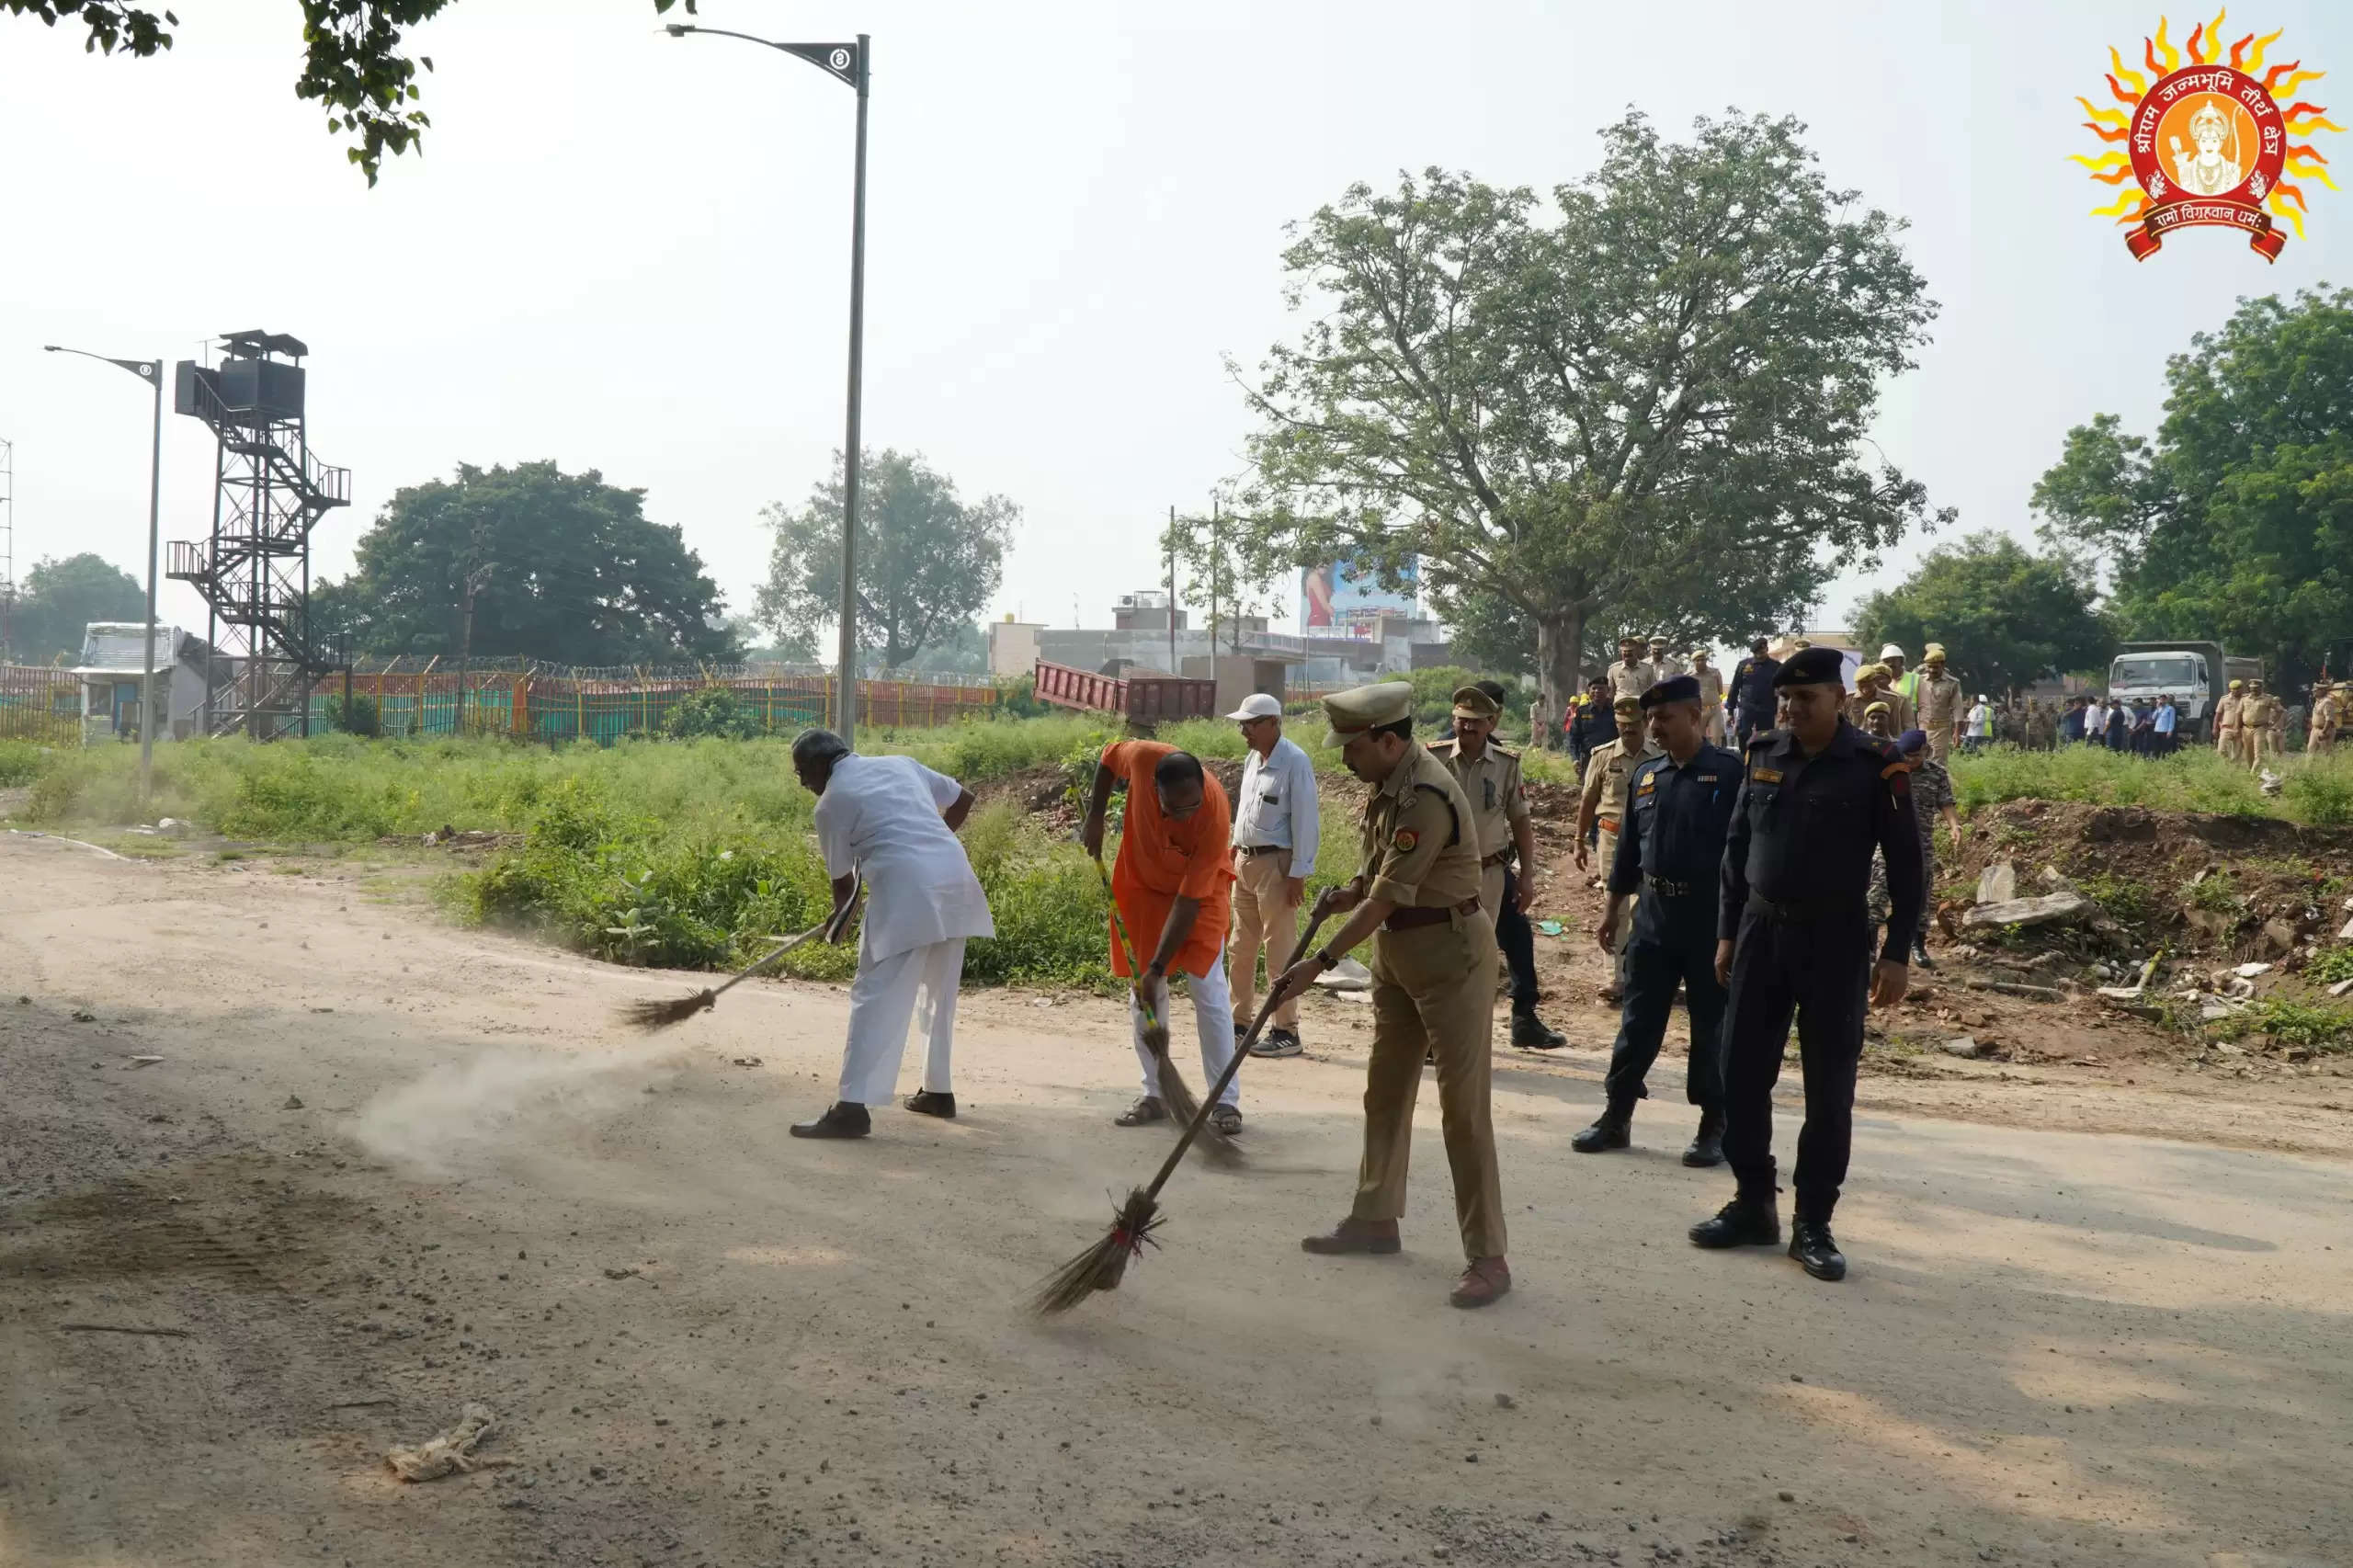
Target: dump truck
[1143, 700]
[2195, 675]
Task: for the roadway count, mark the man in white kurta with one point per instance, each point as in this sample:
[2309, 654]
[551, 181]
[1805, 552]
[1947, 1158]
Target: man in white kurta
[891, 821]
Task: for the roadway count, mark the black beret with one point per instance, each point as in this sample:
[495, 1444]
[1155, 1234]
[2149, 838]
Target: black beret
[1675, 688]
[1812, 667]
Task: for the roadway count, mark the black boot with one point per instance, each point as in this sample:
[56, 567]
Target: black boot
[1608, 1131]
[1810, 1245]
[1746, 1222]
[1528, 1030]
[1920, 953]
[1708, 1144]
[842, 1120]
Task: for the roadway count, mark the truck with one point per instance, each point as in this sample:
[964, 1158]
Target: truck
[1141, 700]
[2195, 675]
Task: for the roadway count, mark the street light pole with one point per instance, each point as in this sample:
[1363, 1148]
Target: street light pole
[846, 64]
[152, 372]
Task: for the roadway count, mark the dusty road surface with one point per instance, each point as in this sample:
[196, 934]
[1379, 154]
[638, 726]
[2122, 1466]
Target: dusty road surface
[386, 1169]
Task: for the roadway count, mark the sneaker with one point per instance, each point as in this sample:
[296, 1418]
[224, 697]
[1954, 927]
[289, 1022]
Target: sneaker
[1278, 1042]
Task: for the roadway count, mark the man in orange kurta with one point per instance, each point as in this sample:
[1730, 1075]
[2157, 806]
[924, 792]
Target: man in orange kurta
[1173, 884]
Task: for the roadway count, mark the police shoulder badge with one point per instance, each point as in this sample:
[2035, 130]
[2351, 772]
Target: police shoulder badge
[1403, 840]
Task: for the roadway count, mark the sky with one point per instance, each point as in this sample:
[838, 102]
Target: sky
[630, 253]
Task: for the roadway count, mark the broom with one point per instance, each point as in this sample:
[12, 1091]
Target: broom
[1101, 1266]
[651, 1016]
[1175, 1093]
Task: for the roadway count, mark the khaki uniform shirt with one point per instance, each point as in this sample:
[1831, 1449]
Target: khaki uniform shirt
[1899, 708]
[2259, 712]
[1421, 845]
[1940, 705]
[2230, 712]
[1632, 680]
[2328, 717]
[1608, 773]
[1492, 785]
[1665, 665]
[1712, 687]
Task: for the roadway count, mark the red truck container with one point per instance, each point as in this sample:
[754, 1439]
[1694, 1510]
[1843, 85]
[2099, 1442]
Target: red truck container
[1140, 699]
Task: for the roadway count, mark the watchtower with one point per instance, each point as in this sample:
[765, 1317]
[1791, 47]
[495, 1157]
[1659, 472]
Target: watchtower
[255, 571]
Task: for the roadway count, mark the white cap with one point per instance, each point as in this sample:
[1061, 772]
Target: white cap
[1891, 651]
[1258, 705]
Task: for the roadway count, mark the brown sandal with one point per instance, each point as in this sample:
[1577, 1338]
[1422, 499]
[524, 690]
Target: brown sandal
[1145, 1111]
[1226, 1119]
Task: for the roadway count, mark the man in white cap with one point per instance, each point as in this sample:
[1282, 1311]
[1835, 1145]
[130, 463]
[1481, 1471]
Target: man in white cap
[1275, 835]
[1904, 682]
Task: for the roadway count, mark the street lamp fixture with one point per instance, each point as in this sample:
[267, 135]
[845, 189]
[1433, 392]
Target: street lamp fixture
[848, 64]
[152, 372]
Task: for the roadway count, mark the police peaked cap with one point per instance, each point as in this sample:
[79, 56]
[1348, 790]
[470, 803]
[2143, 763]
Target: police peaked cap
[1679, 688]
[1812, 667]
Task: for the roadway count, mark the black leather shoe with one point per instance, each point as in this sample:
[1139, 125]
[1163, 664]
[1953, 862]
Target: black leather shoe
[1819, 1256]
[923, 1102]
[1920, 954]
[842, 1120]
[1527, 1032]
[1608, 1132]
[1743, 1223]
[1708, 1144]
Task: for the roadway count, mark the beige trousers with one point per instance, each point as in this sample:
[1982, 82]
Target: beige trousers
[1940, 743]
[1264, 917]
[1434, 993]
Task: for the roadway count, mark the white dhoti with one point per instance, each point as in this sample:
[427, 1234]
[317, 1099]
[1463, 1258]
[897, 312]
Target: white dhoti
[917, 985]
[1212, 1021]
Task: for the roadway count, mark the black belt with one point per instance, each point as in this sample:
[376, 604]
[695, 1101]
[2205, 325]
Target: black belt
[1251, 851]
[1418, 915]
[1498, 858]
[1801, 910]
[1666, 889]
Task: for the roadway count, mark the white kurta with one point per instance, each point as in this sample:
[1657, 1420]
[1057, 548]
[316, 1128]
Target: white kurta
[881, 815]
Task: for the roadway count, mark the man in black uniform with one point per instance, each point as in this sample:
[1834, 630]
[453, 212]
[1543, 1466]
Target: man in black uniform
[1671, 852]
[1792, 937]
[1752, 692]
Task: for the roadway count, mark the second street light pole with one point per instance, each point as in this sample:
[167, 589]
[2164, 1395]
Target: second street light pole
[846, 64]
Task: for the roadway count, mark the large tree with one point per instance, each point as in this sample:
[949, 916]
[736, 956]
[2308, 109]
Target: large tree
[1219, 572]
[2006, 616]
[564, 567]
[928, 562]
[60, 597]
[353, 60]
[1650, 409]
[2236, 523]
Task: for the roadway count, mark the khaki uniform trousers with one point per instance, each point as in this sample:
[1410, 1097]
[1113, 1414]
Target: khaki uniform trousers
[1609, 848]
[1940, 743]
[2226, 741]
[1434, 993]
[1264, 916]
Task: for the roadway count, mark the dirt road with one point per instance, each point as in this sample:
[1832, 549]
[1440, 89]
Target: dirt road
[385, 1167]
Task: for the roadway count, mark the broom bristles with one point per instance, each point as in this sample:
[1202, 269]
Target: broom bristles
[661, 1015]
[1102, 1266]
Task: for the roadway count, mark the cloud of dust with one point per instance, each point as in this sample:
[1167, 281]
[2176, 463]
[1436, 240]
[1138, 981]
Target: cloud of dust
[473, 1108]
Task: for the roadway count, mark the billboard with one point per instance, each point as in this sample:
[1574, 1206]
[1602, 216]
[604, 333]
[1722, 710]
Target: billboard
[1341, 600]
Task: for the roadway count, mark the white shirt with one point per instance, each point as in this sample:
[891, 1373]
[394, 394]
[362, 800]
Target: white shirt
[1981, 721]
[1277, 805]
[881, 815]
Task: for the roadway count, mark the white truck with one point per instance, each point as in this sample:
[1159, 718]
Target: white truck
[2195, 675]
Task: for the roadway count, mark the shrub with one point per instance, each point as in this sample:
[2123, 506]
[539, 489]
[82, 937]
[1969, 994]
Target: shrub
[2331, 964]
[2320, 792]
[709, 711]
[2319, 1027]
[20, 763]
[361, 718]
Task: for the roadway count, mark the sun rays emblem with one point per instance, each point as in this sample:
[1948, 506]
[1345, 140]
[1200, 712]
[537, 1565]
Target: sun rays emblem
[2220, 139]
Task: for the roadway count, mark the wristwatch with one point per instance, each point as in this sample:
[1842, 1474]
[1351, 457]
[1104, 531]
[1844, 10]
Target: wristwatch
[1328, 958]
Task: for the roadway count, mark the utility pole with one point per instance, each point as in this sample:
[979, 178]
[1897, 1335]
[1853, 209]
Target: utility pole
[1172, 588]
[476, 578]
[8, 550]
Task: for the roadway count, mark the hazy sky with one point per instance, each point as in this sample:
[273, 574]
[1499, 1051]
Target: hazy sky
[630, 253]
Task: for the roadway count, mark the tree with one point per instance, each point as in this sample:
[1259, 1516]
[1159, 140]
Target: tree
[575, 573]
[927, 563]
[2236, 524]
[2007, 618]
[1648, 410]
[61, 597]
[1220, 573]
[352, 59]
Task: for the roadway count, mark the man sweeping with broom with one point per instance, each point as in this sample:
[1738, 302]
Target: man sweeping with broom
[1172, 887]
[1433, 984]
[893, 821]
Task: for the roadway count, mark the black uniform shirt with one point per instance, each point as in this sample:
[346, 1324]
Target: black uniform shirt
[1804, 829]
[1679, 816]
[1752, 686]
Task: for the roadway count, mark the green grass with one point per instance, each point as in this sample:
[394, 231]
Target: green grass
[20, 763]
[2331, 964]
[2316, 793]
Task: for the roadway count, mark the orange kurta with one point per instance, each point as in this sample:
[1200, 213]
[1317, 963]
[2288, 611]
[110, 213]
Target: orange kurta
[1161, 861]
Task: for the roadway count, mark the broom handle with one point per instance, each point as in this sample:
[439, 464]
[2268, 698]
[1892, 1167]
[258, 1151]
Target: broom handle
[1127, 949]
[1316, 918]
[789, 944]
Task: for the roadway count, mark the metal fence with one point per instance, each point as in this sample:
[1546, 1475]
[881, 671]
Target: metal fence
[553, 703]
[39, 703]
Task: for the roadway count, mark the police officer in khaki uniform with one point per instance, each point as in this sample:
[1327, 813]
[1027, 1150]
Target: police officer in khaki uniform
[1607, 774]
[1433, 985]
[2259, 720]
[1490, 782]
[2228, 716]
[1712, 695]
[1940, 706]
[1632, 674]
[1664, 665]
[2328, 717]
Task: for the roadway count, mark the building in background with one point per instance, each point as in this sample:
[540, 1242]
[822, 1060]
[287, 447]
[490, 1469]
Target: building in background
[111, 666]
[1342, 600]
